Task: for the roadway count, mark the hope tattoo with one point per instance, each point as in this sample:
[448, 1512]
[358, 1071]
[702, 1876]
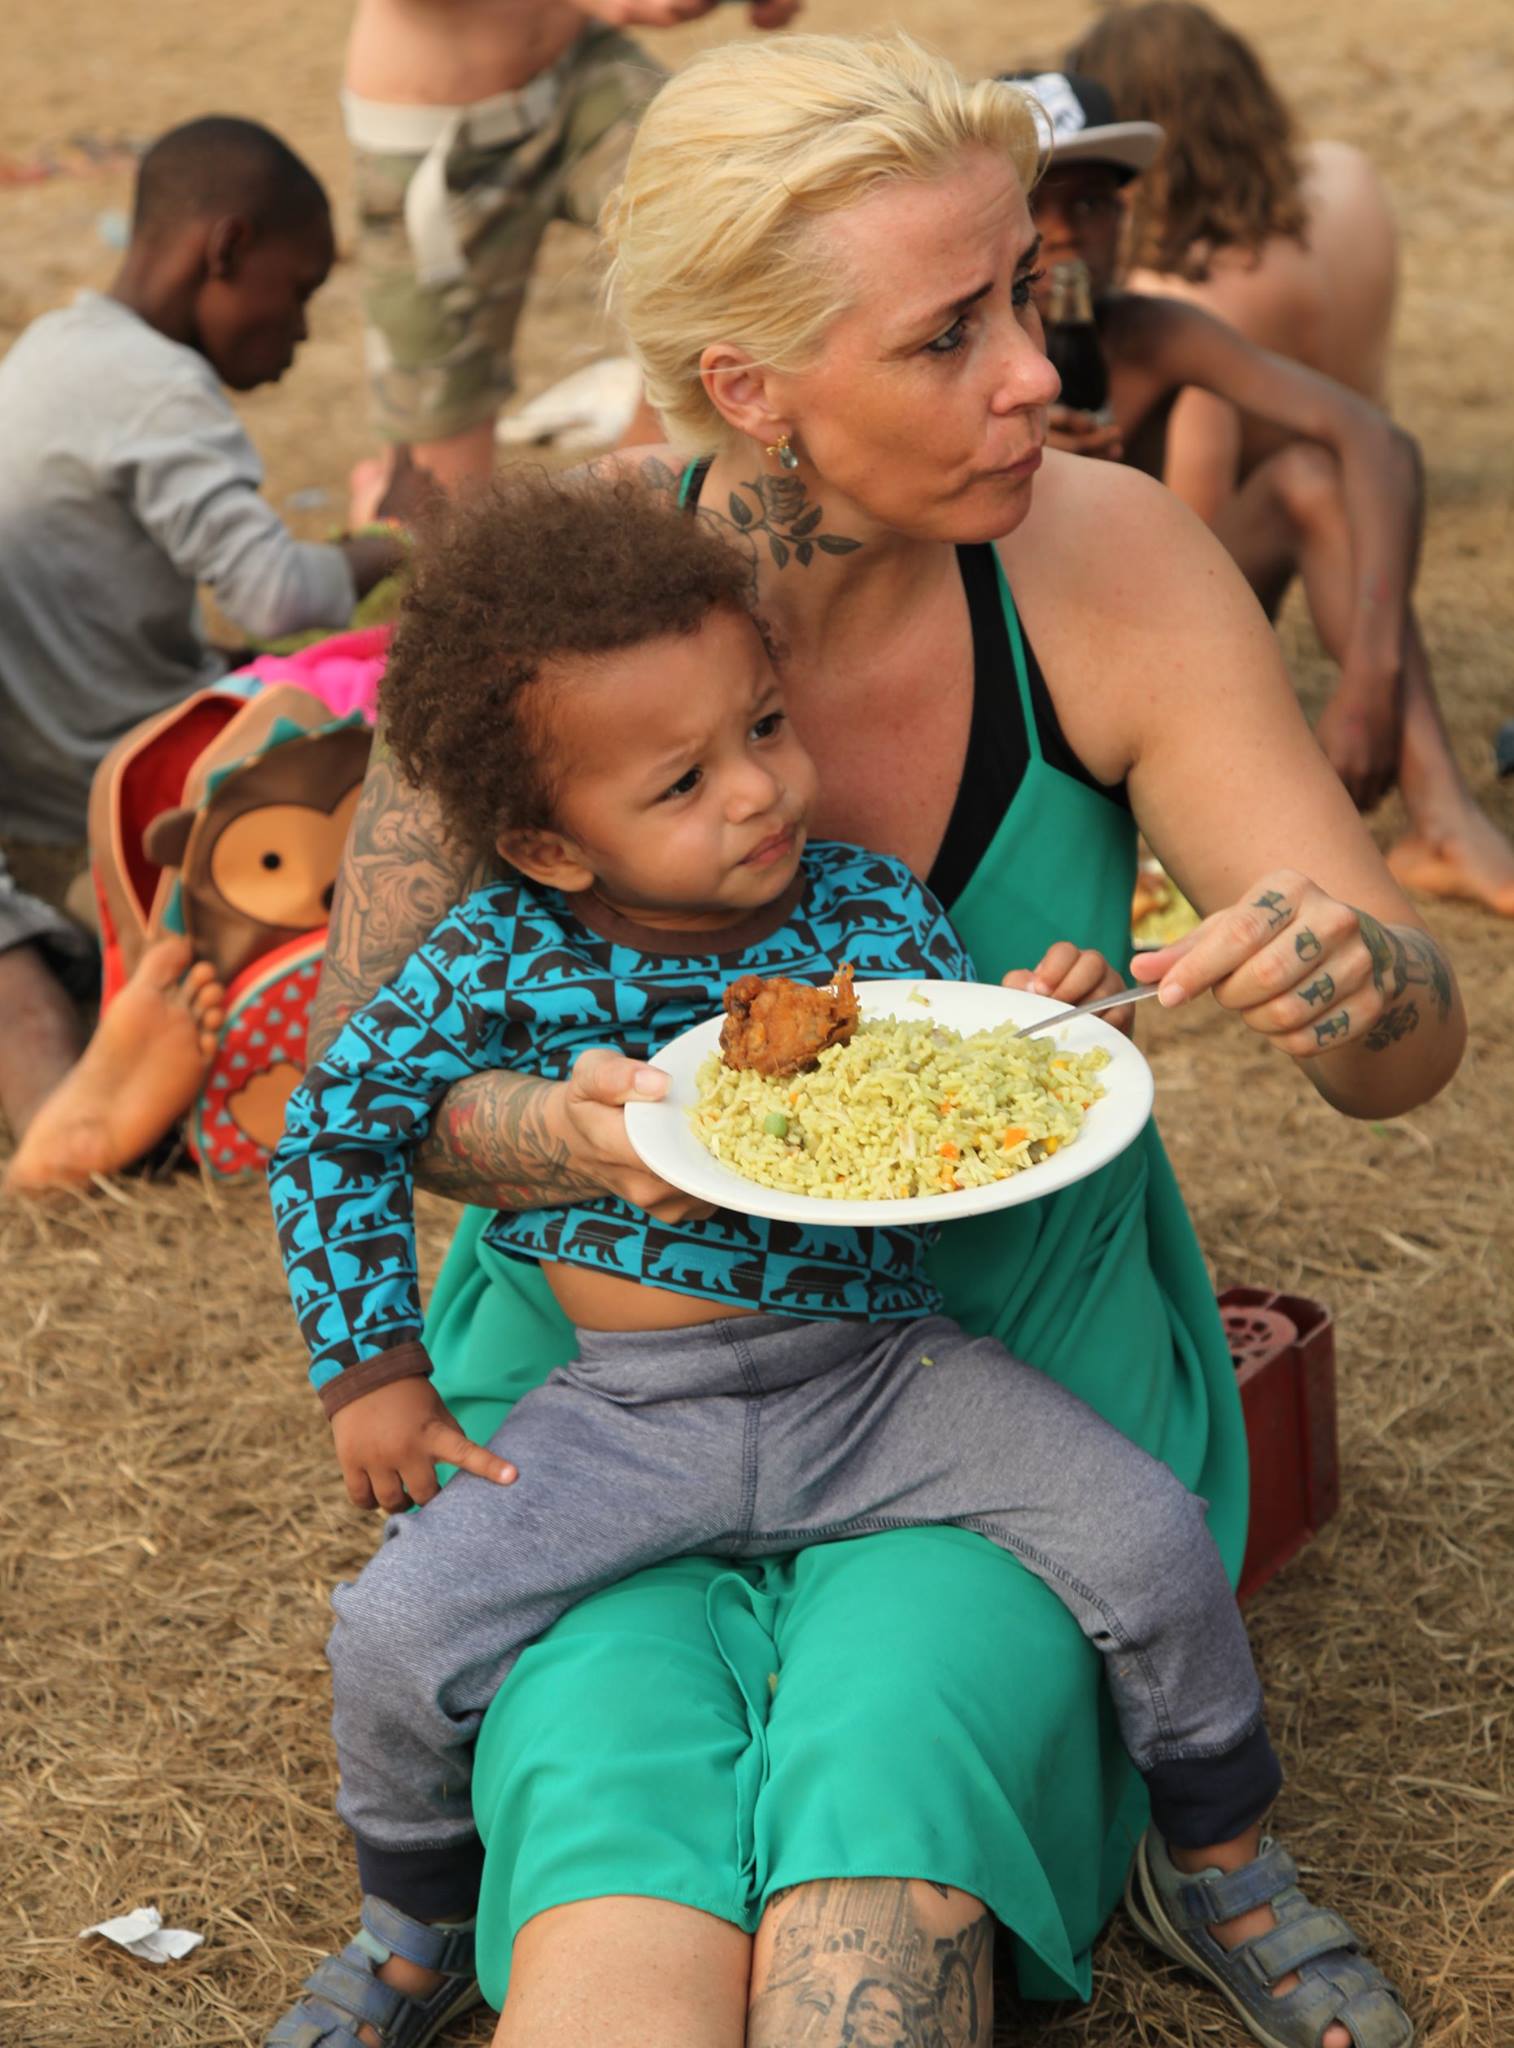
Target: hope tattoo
[1332, 1027]
[1277, 907]
[1307, 947]
[1321, 991]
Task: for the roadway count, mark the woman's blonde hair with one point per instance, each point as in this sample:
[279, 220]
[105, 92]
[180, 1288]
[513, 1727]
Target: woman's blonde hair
[737, 157]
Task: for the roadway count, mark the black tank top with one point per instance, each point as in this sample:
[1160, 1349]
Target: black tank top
[998, 746]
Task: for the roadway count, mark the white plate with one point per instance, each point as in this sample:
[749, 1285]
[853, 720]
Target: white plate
[662, 1135]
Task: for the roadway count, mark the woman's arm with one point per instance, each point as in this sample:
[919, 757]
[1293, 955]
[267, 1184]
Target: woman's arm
[506, 1141]
[1164, 669]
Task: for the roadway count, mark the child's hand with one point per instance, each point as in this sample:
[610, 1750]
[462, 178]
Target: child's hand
[391, 1440]
[1071, 975]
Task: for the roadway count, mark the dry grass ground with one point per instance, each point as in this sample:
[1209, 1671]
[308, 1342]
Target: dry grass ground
[171, 1522]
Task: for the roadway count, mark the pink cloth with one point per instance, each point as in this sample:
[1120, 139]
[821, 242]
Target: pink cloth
[343, 671]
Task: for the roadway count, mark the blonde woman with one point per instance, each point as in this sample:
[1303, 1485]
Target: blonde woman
[766, 1803]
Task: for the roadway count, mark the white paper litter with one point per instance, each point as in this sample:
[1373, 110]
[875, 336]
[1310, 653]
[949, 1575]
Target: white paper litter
[141, 1933]
[590, 409]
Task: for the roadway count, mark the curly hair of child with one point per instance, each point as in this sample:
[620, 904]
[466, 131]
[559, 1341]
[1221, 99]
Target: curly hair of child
[509, 591]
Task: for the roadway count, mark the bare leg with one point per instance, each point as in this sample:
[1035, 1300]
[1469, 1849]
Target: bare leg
[40, 1036]
[455, 464]
[635, 1973]
[134, 1080]
[880, 1960]
[1261, 1920]
[1452, 847]
[1290, 514]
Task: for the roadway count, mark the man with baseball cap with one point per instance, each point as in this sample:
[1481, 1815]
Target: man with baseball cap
[1081, 215]
[1317, 482]
[1083, 124]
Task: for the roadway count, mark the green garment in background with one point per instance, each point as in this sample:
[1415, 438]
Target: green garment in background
[912, 1704]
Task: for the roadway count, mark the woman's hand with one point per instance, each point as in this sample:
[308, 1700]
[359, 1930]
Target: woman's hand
[1305, 971]
[588, 1113]
[1073, 974]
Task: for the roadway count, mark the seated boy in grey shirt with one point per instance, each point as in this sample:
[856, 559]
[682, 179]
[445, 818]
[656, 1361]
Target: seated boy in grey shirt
[128, 480]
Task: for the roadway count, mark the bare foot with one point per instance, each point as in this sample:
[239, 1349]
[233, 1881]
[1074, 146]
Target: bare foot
[1261, 1920]
[1473, 865]
[134, 1080]
[395, 486]
[367, 481]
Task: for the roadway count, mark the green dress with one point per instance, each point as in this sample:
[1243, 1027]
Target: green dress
[912, 1704]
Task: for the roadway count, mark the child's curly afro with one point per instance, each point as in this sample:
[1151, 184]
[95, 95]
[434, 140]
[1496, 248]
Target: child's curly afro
[517, 578]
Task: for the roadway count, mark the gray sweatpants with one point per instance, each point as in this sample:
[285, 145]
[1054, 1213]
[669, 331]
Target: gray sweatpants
[758, 1435]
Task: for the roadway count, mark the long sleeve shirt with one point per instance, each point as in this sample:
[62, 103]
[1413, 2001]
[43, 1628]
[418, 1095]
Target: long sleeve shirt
[126, 480]
[523, 978]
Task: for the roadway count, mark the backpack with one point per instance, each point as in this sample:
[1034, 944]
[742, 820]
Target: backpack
[224, 817]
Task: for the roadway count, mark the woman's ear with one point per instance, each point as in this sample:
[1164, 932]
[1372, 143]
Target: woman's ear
[546, 857]
[742, 392]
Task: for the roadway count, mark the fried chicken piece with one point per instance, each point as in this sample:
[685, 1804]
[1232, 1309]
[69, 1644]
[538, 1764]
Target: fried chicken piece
[782, 1026]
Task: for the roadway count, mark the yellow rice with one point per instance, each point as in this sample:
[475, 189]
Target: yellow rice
[906, 1108]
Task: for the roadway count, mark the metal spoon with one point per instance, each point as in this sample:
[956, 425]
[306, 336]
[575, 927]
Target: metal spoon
[1117, 1001]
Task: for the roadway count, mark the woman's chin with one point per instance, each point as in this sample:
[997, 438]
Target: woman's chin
[988, 508]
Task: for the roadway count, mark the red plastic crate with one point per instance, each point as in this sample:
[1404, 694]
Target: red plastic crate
[1284, 1351]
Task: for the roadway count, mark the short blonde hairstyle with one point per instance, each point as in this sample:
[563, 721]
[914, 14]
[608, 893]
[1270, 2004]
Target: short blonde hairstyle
[737, 156]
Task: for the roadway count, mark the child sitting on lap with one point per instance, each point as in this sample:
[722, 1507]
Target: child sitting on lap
[579, 681]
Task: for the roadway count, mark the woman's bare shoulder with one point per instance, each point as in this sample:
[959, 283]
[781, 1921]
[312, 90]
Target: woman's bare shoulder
[1108, 538]
[1118, 583]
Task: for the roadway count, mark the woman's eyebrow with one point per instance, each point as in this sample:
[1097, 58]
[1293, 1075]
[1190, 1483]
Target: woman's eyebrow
[955, 306]
[1026, 260]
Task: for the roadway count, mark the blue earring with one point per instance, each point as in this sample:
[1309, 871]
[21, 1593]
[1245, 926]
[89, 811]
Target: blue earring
[787, 459]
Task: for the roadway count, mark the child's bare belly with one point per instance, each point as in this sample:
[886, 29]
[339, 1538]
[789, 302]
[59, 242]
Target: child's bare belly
[601, 1301]
[452, 52]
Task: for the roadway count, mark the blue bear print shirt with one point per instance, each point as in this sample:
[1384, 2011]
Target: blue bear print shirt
[524, 978]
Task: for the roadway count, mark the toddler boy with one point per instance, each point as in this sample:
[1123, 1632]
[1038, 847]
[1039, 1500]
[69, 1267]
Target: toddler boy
[579, 681]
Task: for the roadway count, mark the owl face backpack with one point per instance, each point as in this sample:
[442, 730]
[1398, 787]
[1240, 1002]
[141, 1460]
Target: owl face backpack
[224, 818]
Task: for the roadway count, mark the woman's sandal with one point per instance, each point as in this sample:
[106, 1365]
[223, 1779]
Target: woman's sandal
[1175, 1909]
[345, 1992]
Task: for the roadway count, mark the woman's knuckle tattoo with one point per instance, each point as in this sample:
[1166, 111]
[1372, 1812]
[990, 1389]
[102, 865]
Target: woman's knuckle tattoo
[1315, 994]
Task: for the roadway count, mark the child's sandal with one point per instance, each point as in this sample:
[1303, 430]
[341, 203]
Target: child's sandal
[1338, 1986]
[345, 1992]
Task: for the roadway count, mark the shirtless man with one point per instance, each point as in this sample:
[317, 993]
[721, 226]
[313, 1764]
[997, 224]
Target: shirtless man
[474, 125]
[1320, 484]
[1299, 253]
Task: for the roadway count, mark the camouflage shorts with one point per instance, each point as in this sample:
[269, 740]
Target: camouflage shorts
[440, 356]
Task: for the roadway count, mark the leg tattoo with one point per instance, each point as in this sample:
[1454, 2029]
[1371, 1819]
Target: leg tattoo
[873, 1963]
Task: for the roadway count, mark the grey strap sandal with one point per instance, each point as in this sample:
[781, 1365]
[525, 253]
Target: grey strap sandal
[345, 1992]
[1175, 1910]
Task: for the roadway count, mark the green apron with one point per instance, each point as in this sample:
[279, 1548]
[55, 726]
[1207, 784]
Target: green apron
[911, 1704]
